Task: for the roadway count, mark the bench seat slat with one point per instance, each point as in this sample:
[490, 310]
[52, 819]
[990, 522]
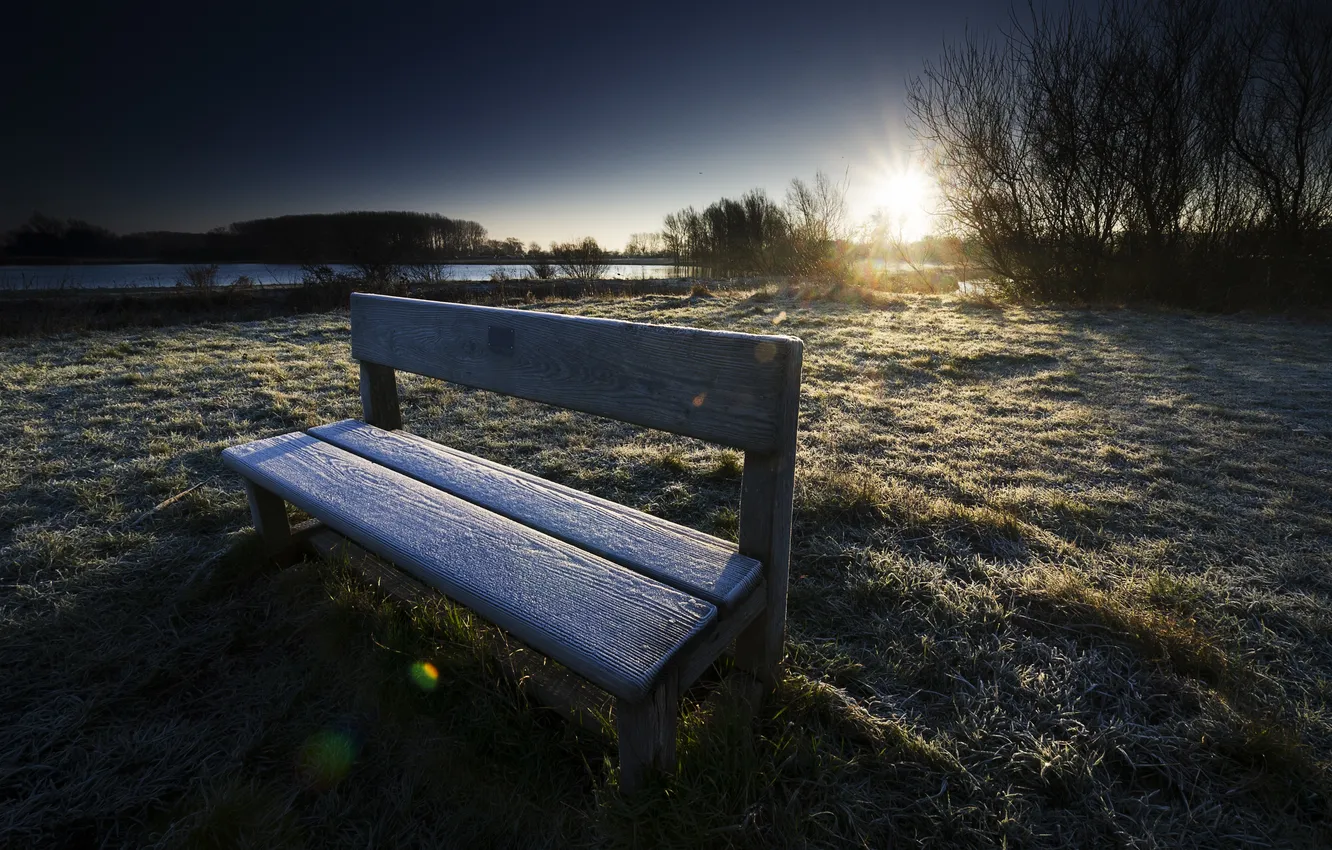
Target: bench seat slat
[697, 563]
[605, 622]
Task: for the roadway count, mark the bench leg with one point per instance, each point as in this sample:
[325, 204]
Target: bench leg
[269, 514]
[647, 734]
[759, 651]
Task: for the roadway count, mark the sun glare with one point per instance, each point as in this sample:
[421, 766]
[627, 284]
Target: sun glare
[904, 200]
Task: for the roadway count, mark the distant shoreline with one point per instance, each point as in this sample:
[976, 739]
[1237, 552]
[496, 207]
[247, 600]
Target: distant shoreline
[30, 314]
[158, 261]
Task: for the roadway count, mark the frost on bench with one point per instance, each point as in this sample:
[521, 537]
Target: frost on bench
[690, 560]
[606, 623]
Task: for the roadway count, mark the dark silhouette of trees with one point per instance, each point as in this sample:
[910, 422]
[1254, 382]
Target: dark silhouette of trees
[756, 235]
[43, 236]
[372, 239]
[1178, 151]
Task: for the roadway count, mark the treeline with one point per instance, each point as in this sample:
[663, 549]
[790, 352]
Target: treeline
[755, 235]
[348, 237]
[44, 237]
[360, 237]
[1178, 151]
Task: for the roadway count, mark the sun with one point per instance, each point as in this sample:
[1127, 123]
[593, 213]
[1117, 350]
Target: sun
[904, 199]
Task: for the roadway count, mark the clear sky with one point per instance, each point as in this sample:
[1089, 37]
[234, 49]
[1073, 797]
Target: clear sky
[545, 122]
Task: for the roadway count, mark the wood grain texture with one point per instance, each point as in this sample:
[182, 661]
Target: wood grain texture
[717, 386]
[268, 513]
[610, 625]
[646, 729]
[541, 680]
[766, 492]
[379, 396]
[697, 563]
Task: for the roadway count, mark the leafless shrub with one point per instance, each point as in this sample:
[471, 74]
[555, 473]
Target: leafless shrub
[581, 260]
[427, 273]
[202, 278]
[382, 277]
[326, 286]
[539, 263]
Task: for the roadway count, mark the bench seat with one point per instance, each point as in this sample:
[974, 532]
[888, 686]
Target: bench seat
[610, 624]
[688, 560]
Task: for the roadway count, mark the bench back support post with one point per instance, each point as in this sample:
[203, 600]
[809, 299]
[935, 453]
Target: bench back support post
[379, 396]
[767, 491]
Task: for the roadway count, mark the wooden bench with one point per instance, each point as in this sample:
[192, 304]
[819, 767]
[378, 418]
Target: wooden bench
[636, 605]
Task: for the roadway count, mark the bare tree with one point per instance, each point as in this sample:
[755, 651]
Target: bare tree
[816, 215]
[1144, 149]
[1283, 127]
[644, 245]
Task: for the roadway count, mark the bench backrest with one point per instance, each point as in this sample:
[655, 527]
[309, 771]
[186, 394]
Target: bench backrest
[739, 390]
[727, 388]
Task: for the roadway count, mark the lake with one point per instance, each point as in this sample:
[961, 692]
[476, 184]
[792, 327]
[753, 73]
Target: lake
[133, 275]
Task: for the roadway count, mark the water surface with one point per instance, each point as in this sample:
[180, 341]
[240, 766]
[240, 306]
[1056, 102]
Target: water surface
[133, 275]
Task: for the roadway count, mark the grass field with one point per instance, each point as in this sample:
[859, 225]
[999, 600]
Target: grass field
[1061, 578]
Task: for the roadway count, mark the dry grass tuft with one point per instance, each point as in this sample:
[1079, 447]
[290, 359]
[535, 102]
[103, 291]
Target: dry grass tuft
[858, 496]
[1156, 635]
[838, 292]
[980, 301]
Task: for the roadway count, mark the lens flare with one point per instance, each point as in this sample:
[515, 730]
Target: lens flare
[327, 757]
[425, 676]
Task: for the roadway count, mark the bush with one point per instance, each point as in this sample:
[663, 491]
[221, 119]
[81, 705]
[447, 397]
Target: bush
[202, 278]
[326, 286]
[426, 273]
[582, 260]
[382, 278]
[542, 268]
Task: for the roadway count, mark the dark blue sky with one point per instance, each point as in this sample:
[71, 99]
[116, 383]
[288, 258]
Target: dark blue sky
[545, 122]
